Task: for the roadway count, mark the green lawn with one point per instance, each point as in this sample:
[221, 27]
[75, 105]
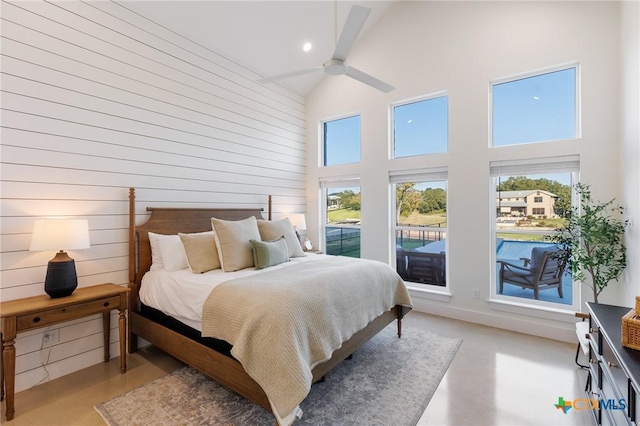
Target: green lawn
[522, 237]
[343, 215]
[415, 218]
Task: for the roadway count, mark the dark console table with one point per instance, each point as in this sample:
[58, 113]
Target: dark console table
[614, 371]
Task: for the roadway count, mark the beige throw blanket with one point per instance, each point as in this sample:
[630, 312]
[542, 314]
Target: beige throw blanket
[283, 322]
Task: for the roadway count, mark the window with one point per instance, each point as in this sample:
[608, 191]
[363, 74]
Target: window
[342, 216]
[341, 141]
[537, 108]
[420, 127]
[537, 200]
[523, 231]
[420, 226]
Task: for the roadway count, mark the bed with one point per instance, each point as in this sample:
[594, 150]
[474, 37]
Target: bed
[210, 355]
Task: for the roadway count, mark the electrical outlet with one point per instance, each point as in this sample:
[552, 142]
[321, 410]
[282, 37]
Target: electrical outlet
[50, 337]
[476, 293]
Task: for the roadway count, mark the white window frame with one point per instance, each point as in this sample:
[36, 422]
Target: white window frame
[327, 183]
[560, 164]
[535, 73]
[427, 175]
[392, 107]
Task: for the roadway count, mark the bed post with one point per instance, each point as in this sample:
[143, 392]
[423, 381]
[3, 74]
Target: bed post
[133, 294]
[269, 207]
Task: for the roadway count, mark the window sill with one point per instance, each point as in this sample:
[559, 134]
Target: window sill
[545, 312]
[423, 293]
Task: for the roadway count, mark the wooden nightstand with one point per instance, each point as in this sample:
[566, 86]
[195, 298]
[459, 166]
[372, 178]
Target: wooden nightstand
[41, 311]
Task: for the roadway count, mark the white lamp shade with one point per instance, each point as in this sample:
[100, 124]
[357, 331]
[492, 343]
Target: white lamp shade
[298, 220]
[59, 234]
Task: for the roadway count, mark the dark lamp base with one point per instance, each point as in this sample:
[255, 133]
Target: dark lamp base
[61, 278]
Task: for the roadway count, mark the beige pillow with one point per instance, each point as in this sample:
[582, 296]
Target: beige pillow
[202, 254]
[274, 229]
[232, 239]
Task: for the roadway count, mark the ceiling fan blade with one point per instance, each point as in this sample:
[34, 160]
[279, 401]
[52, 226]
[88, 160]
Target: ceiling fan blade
[289, 74]
[355, 21]
[367, 79]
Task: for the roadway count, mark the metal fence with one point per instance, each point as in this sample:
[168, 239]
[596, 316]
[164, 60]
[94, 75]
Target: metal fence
[343, 240]
[412, 238]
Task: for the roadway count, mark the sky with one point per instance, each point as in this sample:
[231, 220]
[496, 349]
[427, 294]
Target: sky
[421, 127]
[342, 141]
[534, 109]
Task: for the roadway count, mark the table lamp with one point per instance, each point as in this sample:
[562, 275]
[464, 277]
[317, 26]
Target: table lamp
[299, 222]
[60, 234]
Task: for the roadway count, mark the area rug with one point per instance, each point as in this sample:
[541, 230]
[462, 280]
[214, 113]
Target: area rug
[389, 381]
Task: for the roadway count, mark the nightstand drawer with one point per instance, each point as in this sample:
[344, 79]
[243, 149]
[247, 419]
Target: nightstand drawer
[66, 313]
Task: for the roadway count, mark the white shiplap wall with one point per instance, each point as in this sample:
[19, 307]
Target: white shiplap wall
[95, 99]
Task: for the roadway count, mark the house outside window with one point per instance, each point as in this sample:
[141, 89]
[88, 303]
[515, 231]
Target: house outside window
[535, 107]
[420, 227]
[520, 203]
[341, 222]
[524, 232]
[341, 141]
[420, 127]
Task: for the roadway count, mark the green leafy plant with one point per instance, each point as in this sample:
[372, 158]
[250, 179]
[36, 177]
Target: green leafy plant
[593, 241]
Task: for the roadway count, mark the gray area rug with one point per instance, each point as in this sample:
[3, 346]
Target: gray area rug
[389, 381]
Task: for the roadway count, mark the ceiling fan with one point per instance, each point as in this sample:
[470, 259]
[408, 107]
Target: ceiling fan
[336, 65]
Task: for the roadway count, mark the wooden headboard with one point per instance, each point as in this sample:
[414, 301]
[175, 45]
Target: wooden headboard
[170, 221]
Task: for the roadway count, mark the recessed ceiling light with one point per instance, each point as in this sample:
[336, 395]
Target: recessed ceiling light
[307, 47]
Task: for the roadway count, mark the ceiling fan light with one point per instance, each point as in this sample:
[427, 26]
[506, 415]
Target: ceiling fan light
[335, 67]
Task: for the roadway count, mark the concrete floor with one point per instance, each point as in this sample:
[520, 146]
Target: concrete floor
[498, 377]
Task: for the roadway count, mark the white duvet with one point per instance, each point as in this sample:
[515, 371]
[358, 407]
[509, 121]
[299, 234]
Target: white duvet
[181, 294]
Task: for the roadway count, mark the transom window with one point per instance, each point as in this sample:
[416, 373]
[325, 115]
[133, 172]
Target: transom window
[420, 127]
[536, 108]
[341, 141]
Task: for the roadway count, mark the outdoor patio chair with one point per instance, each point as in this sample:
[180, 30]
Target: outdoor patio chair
[543, 271]
[426, 268]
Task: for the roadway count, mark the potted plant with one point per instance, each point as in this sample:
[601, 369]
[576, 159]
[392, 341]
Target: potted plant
[592, 239]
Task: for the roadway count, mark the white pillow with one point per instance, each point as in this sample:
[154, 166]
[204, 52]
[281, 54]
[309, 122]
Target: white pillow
[172, 252]
[156, 259]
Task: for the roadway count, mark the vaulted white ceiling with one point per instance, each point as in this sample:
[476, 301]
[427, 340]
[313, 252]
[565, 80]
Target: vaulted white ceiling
[265, 36]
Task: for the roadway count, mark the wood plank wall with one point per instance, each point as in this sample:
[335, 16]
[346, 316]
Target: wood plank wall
[96, 99]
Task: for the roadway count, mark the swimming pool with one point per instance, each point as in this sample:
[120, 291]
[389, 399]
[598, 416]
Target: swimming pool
[514, 250]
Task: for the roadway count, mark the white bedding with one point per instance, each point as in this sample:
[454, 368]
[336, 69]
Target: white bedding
[181, 294]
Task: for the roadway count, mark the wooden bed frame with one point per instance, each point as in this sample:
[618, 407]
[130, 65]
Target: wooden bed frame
[220, 367]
